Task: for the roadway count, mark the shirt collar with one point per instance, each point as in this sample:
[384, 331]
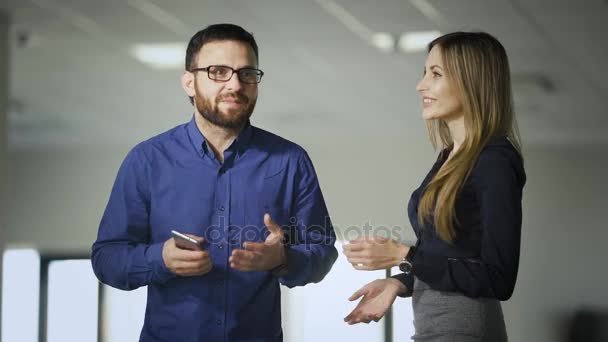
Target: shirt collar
[239, 145]
[243, 140]
[197, 138]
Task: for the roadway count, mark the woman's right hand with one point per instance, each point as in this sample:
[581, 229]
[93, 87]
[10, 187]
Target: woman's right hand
[374, 253]
[378, 296]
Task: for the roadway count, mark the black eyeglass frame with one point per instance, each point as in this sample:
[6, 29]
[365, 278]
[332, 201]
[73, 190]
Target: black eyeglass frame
[259, 73]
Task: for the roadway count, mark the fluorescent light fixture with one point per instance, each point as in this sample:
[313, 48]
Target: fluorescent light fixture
[385, 42]
[160, 56]
[416, 41]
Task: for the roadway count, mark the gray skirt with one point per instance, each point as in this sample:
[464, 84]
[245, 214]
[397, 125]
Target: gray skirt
[452, 317]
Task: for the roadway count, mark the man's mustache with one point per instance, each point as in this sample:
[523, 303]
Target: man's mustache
[234, 96]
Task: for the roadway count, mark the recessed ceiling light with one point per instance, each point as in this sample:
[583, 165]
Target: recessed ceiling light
[160, 56]
[416, 41]
[385, 42]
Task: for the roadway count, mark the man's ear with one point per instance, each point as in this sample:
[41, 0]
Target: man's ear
[188, 83]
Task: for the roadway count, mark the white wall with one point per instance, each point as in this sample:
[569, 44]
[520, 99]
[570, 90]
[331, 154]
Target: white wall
[563, 243]
[55, 200]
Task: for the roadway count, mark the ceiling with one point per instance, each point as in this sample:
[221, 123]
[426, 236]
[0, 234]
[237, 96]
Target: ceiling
[74, 82]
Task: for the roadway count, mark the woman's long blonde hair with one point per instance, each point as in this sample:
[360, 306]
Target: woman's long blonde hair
[476, 65]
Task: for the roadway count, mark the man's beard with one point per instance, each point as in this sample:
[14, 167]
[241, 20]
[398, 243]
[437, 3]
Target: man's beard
[232, 118]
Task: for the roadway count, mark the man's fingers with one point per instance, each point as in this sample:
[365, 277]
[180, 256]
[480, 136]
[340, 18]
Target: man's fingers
[188, 255]
[242, 266]
[183, 264]
[188, 268]
[255, 247]
[243, 260]
[241, 254]
[272, 226]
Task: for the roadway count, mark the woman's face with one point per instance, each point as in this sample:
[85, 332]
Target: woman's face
[439, 97]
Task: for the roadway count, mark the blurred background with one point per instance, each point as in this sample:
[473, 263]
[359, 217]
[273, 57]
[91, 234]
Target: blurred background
[82, 82]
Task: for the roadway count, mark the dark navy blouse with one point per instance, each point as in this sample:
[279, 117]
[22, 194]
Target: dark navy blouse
[483, 259]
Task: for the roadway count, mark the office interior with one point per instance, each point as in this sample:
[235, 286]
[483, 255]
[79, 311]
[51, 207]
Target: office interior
[82, 82]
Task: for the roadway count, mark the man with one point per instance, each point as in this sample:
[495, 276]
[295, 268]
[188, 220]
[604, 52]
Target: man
[251, 198]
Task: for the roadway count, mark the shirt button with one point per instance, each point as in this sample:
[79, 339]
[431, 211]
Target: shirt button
[221, 245]
[219, 322]
[221, 208]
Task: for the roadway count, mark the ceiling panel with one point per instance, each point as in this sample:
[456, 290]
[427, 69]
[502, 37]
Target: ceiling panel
[74, 78]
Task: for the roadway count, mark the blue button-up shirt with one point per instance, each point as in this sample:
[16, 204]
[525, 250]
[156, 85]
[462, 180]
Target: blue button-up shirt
[174, 181]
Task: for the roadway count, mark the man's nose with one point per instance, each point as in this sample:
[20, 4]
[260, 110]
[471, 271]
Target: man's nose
[234, 82]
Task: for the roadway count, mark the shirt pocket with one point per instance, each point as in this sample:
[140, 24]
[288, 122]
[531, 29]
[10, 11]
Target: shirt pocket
[270, 198]
[255, 228]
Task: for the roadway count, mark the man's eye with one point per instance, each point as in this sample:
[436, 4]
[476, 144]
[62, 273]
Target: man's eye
[248, 73]
[219, 71]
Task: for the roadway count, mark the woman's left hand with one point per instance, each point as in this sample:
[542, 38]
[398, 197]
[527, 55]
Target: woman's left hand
[378, 296]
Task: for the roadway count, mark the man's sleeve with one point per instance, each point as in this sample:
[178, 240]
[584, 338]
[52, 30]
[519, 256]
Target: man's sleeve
[310, 251]
[122, 256]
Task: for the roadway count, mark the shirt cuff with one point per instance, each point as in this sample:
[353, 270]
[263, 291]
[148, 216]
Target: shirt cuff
[297, 267]
[154, 257]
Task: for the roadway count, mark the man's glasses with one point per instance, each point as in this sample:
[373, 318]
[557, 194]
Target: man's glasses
[223, 73]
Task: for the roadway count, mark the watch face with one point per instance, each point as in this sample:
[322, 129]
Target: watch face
[405, 267]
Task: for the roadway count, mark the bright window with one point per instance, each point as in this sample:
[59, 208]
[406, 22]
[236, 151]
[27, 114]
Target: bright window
[124, 313]
[72, 301]
[20, 295]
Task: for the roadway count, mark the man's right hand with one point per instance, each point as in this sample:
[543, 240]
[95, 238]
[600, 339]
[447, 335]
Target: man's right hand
[184, 262]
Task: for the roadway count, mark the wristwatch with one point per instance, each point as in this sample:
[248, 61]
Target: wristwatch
[406, 263]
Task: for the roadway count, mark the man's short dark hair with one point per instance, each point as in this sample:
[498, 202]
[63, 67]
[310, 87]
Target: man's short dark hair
[218, 32]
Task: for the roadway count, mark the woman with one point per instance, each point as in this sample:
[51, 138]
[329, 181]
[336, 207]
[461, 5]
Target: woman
[467, 212]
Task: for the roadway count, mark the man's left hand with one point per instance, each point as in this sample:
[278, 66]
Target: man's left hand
[261, 256]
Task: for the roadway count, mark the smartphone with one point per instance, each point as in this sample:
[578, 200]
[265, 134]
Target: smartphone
[185, 242]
